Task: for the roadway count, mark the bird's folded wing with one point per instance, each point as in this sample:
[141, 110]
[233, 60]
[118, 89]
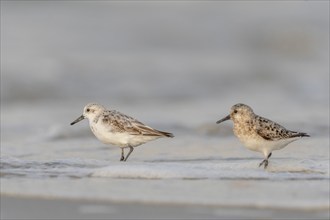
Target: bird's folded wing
[272, 131]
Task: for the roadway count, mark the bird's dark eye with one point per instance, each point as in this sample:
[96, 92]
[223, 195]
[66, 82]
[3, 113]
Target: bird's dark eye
[87, 110]
[235, 111]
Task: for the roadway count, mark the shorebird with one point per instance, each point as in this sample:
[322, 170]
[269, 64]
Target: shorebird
[258, 133]
[113, 127]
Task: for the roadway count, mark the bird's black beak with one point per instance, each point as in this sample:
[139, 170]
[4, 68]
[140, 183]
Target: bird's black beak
[77, 120]
[224, 119]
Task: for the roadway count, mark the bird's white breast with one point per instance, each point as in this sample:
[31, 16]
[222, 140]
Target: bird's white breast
[121, 139]
[265, 146]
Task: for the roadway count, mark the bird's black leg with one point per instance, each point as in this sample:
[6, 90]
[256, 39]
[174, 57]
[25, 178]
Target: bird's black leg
[122, 155]
[262, 162]
[269, 155]
[265, 161]
[130, 151]
[266, 164]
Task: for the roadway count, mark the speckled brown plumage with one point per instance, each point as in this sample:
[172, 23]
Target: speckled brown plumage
[258, 133]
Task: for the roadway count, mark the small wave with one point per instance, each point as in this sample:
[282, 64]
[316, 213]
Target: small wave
[74, 167]
[185, 169]
[207, 170]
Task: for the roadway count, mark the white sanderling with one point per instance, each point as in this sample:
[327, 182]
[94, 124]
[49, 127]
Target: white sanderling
[258, 133]
[113, 127]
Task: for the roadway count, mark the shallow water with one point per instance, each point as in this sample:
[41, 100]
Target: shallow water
[202, 168]
[178, 68]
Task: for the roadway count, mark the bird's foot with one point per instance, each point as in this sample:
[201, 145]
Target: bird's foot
[122, 158]
[265, 163]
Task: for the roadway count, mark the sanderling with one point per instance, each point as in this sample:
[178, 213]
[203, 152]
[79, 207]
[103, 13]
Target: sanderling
[113, 127]
[258, 133]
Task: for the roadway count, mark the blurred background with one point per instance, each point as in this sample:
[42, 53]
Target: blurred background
[213, 54]
[177, 66]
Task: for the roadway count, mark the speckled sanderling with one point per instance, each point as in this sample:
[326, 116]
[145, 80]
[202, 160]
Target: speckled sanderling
[258, 133]
[113, 127]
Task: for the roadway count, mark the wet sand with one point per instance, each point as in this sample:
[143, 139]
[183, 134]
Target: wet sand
[43, 208]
